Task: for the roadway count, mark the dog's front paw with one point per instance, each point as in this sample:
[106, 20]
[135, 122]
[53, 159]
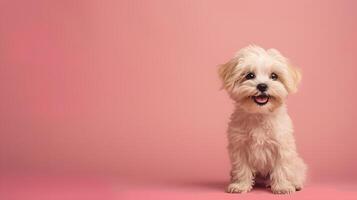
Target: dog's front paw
[283, 189]
[239, 187]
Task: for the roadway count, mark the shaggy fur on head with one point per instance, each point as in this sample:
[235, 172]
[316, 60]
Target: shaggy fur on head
[260, 132]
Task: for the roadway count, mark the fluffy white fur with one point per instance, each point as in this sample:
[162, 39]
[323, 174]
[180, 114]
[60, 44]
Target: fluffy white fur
[261, 141]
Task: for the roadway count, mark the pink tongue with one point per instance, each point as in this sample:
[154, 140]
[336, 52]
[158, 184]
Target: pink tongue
[261, 99]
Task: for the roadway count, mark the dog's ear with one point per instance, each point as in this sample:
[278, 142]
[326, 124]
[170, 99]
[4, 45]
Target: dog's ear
[295, 78]
[226, 73]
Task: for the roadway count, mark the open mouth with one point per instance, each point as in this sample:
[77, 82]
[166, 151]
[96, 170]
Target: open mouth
[261, 99]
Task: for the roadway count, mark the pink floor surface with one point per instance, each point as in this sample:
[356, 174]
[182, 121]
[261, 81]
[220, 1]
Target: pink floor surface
[78, 188]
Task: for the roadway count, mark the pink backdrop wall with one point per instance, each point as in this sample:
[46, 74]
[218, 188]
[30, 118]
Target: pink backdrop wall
[129, 88]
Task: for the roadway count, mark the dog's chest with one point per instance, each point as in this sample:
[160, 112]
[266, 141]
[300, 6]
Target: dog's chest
[262, 149]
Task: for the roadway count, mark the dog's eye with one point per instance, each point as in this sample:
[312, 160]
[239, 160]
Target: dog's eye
[250, 76]
[274, 76]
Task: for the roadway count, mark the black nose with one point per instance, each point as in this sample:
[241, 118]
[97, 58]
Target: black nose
[262, 87]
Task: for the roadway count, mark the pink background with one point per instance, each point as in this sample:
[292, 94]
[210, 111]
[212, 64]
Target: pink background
[128, 90]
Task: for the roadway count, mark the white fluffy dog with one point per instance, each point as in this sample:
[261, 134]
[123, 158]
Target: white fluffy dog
[260, 133]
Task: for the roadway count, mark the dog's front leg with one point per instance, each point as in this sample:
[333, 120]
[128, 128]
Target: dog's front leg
[241, 176]
[280, 183]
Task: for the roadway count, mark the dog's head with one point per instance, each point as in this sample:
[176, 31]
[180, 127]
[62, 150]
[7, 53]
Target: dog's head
[259, 80]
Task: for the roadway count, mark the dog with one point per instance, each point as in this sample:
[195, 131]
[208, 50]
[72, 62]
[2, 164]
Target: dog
[261, 144]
